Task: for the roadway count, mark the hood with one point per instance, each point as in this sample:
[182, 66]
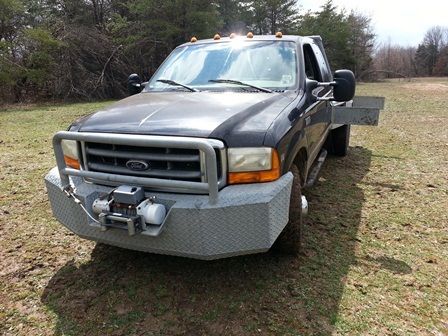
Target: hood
[229, 116]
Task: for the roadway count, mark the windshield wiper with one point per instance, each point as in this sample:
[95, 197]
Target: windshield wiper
[231, 81]
[171, 82]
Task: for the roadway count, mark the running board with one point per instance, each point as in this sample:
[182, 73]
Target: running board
[315, 169]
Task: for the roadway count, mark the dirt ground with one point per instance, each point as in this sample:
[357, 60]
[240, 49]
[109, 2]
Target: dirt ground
[375, 258]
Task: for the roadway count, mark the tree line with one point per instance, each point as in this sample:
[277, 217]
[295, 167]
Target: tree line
[429, 58]
[85, 49]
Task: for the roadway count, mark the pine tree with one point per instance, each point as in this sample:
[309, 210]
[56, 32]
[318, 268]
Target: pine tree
[335, 31]
[360, 42]
[270, 16]
[234, 16]
[441, 66]
[422, 61]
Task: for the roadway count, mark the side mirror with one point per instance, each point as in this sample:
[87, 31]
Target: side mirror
[313, 89]
[310, 86]
[344, 85]
[134, 84]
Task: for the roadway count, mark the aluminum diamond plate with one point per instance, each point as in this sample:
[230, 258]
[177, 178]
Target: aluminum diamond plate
[246, 219]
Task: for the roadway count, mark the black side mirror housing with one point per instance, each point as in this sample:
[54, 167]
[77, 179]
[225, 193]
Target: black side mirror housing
[134, 84]
[344, 85]
[310, 86]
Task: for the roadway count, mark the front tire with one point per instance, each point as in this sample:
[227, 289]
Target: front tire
[290, 239]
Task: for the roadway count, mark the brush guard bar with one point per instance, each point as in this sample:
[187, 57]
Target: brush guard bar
[204, 145]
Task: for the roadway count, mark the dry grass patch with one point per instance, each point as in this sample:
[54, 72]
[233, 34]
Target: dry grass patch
[376, 244]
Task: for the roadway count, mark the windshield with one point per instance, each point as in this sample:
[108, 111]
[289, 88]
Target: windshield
[266, 64]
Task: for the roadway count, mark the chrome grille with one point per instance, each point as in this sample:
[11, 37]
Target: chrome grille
[164, 163]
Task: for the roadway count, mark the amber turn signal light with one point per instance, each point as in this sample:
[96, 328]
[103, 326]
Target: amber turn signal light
[71, 162]
[258, 176]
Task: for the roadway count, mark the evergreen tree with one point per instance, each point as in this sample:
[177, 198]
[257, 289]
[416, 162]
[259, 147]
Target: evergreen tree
[427, 53]
[335, 31]
[235, 16]
[423, 61]
[441, 66]
[270, 16]
[360, 42]
[11, 21]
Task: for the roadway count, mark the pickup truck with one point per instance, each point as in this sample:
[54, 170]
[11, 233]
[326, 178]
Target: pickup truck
[209, 158]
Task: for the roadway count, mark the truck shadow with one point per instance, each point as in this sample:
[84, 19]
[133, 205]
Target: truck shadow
[127, 292]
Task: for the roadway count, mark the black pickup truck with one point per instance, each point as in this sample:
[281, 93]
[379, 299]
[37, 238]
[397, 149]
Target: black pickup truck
[209, 158]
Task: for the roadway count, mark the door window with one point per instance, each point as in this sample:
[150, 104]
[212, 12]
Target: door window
[322, 63]
[312, 70]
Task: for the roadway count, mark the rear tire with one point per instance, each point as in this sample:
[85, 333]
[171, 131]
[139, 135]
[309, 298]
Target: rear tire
[339, 140]
[290, 239]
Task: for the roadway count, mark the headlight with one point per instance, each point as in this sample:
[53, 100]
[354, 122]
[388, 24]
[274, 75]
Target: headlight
[250, 165]
[249, 159]
[71, 154]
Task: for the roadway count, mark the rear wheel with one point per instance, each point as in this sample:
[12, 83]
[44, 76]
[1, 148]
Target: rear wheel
[290, 240]
[339, 140]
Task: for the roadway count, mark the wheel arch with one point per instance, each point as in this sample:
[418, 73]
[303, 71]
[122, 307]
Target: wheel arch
[301, 161]
[294, 150]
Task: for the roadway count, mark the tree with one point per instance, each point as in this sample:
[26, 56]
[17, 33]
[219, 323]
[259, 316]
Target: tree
[428, 51]
[423, 60]
[394, 61]
[11, 20]
[235, 16]
[441, 66]
[360, 42]
[270, 16]
[335, 31]
[154, 28]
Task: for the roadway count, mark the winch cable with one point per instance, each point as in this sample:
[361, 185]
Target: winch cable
[69, 194]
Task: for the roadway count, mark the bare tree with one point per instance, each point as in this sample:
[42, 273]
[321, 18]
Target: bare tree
[435, 36]
[426, 57]
[393, 61]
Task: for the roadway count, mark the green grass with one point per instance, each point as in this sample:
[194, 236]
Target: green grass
[376, 243]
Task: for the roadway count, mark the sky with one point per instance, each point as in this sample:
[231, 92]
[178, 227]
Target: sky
[404, 22]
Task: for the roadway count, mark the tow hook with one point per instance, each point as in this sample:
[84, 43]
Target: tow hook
[304, 206]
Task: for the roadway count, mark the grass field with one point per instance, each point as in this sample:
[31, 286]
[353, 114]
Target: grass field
[376, 244]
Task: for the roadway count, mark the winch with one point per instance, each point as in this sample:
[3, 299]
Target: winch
[126, 207]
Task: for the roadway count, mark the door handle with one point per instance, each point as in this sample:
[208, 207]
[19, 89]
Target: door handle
[307, 121]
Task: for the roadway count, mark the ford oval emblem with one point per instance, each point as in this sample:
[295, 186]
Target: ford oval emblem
[137, 165]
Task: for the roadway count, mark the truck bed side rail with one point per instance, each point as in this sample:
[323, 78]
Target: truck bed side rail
[210, 185]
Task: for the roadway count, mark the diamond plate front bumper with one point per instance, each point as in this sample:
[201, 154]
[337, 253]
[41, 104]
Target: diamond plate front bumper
[246, 219]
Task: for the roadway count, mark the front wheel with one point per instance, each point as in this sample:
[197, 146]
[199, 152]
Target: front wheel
[290, 240]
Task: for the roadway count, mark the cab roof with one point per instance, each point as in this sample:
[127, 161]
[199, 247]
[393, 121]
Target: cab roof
[288, 38]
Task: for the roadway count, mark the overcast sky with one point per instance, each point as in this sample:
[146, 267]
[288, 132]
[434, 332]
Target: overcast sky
[403, 21]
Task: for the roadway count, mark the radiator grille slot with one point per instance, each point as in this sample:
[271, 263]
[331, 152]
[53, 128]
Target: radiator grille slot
[163, 163]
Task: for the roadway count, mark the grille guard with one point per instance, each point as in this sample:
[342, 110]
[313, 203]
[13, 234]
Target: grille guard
[206, 147]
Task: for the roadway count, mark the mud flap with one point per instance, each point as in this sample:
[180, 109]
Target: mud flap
[363, 111]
